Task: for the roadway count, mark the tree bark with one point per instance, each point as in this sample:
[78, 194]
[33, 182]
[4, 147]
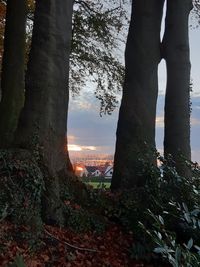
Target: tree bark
[177, 99]
[42, 127]
[12, 80]
[136, 125]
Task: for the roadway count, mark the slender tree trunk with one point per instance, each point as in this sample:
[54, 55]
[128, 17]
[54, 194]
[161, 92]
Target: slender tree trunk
[42, 126]
[12, 79]
[136, 124]
[177, 100]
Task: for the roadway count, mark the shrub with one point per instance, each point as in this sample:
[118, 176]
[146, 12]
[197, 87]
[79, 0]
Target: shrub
[81, 220]
[164, 214]
[168, 221]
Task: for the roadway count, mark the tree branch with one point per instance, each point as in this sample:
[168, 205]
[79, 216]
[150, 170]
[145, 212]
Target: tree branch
[68, 244]
[83, 3]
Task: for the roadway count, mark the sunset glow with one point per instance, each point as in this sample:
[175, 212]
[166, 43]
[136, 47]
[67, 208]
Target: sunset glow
[160, 121]
[74, 147]
[78, 168]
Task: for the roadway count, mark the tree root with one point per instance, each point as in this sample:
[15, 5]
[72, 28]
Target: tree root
[68, 244]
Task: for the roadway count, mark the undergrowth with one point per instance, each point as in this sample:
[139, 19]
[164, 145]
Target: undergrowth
[164, 215]
[21, 183]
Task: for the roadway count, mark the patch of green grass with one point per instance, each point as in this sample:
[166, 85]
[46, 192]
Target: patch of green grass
[96, 185]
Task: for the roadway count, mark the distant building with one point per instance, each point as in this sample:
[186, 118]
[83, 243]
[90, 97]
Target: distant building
[108, 172]
[93, 171]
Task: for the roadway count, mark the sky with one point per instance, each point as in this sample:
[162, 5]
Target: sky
[88, 133]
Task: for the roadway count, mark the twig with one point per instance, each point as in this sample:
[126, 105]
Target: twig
[90, 9]
[68, 244]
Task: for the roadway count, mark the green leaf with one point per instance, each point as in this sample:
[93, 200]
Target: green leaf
[185, 207]
[178, 254]
[161, 220]
[187, 217]
[19, 261]
[159, 250]
[190, 243]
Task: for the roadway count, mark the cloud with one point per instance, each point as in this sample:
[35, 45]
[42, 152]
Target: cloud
[71, 138]
[162, 78]
[87, 129]
[86, 100]
[196, 107]
[74, 147]
[195, 94]
[160, 121]
[196, 155]
[195, 121]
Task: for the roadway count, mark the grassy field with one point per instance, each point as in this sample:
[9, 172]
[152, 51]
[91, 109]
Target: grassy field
[99, 184]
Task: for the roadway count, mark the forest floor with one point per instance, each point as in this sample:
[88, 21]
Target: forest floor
[61, 247]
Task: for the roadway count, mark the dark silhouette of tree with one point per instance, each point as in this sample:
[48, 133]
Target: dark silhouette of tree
[94, 26]
[42, 125]
[135, 146]
[177, 100]
[12, 77]
[136, 125]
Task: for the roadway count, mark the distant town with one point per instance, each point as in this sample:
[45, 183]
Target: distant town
[88, 165]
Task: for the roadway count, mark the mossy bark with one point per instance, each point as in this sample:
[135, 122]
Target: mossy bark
[12, 79]
[136, 125]
[177, 101]
[42, 126]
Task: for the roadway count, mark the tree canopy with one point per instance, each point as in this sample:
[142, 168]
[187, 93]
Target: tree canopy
[97, 36]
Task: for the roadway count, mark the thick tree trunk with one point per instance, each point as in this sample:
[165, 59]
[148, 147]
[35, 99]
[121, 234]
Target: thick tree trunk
[177, 100]
[12, 80]
[136, 125]
[42, 126]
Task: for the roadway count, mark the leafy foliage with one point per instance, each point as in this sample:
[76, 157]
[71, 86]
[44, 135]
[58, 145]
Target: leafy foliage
[166, 243]
[196, 10]
[164, 215]
[21, 183]
[81, 220]
[18, 262]
[170, 223]
[97, 30]
[97, 37]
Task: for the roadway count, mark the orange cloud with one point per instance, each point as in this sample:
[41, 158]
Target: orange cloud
[160, 121]
[73, 147]
[195, 121]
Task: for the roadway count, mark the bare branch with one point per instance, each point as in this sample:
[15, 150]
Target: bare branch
[68, 244]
